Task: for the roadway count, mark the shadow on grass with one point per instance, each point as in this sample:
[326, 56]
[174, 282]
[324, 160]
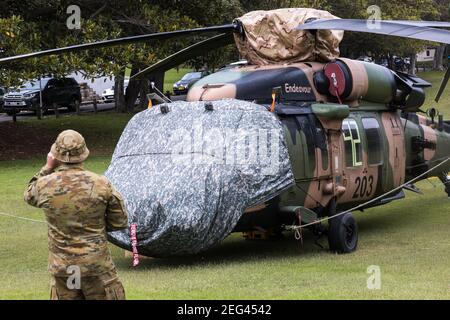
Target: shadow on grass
[403, 214]
[235, 249]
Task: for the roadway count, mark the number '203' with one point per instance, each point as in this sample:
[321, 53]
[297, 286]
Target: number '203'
[364, 187]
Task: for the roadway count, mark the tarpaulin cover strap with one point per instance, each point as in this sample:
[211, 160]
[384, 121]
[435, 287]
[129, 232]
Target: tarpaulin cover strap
[188, 174]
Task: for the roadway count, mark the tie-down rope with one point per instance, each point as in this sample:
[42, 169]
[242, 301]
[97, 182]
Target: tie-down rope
[22, 218]
[297, 228]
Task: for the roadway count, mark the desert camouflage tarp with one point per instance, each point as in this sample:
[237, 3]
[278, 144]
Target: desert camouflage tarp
[188, 175]
[271, 37]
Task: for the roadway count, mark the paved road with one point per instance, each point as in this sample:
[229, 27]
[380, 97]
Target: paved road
[85, 108]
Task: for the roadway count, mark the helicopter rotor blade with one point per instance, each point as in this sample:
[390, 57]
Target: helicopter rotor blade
[443, 85]
[127, 40]
[186, 54]
[430, 24]
[419, 30]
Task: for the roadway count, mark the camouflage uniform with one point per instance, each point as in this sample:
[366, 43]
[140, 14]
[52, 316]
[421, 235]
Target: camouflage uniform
[80, 206]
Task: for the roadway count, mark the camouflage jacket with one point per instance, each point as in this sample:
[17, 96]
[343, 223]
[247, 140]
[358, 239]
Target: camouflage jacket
[80, 206]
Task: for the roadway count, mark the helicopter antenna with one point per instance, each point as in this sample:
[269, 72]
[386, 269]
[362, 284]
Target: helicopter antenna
[152, 85]
[443, 84]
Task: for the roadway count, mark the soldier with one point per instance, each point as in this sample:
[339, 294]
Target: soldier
[80, 206]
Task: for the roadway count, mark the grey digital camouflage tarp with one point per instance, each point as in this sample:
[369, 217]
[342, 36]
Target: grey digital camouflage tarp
[187, 175]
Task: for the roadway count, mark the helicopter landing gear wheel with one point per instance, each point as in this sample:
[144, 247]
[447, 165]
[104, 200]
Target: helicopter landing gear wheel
[343, 233]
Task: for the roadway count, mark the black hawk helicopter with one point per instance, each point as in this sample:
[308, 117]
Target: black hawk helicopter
[352, 133]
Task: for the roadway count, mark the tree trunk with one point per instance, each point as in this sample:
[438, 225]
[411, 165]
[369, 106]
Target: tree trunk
[132, 91]
[439, 57]
[412, 64]
[145, 88]
[119, 94]
[390, 61]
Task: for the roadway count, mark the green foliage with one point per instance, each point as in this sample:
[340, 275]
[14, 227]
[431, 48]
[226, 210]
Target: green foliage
[20, 35]
[355, 44]
[39, 25]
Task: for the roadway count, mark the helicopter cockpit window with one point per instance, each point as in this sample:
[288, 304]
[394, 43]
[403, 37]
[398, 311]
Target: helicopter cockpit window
[352, 142]
[374, 150]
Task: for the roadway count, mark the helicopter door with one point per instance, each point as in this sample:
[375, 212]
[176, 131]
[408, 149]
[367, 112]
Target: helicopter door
[360, 177]
[308, 151]
[373, 155]
[396, 154]
[352, 164]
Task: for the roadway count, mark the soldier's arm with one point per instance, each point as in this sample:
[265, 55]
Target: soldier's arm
[31, 195]
[116, 214]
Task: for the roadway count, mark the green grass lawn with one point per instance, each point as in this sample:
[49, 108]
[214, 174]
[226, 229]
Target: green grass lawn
[101, 131]
[408, 240]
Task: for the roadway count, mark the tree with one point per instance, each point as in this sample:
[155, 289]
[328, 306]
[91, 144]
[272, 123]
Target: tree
[443, 8]
[24, 28]
[21, 32]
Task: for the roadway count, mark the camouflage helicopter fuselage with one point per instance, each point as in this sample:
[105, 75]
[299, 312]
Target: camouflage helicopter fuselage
[347, 149]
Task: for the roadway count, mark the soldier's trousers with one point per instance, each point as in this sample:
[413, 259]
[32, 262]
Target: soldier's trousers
[102, 287]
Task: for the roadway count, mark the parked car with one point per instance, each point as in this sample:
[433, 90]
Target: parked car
[65, 92]
[365, 59]
[182, 86]
[2, 93]
[108, 95]
[401, 64]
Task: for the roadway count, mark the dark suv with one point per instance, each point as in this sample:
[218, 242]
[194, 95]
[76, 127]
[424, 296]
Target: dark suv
[65, 92]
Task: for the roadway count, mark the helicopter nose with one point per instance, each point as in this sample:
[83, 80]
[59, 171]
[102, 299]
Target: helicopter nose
[182, 189]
